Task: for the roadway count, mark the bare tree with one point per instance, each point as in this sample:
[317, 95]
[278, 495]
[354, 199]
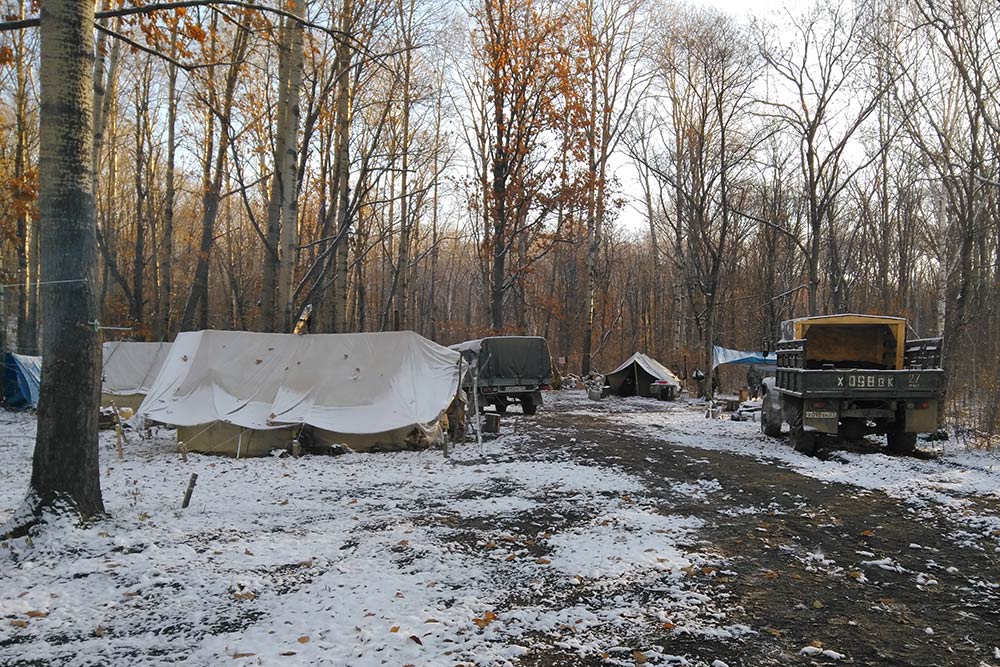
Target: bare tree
[821, 97]
[612, 37]
[219, 114]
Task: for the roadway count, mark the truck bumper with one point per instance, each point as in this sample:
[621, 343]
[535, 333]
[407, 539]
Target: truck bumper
[919, 416]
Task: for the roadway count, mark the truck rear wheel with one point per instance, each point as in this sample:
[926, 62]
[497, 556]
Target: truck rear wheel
[900, 442]
[801, 440]
[770, 419]
[500, 403]
[528, 405]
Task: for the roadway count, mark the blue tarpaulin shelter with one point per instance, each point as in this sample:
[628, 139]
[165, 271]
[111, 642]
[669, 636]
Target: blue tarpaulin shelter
[21, 378]
[722, 355]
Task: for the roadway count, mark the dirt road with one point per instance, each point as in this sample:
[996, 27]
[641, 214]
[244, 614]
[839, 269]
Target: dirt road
[807, 563]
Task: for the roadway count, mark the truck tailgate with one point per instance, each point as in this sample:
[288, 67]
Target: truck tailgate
[861, 383]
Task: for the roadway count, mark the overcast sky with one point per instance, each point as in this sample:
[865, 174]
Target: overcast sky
[752, 7]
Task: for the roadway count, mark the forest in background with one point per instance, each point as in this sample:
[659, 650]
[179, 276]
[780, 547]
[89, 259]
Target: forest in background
[467, 169]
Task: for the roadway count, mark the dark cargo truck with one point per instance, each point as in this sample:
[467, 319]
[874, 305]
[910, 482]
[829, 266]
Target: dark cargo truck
[850, 376]
[511, 369]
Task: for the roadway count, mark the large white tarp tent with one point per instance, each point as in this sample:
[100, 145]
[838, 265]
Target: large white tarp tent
[637, 373]
[245, 393]
[128, 371]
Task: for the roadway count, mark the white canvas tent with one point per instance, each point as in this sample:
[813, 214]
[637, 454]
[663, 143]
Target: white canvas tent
[243, 393]
[634, 376]
[128, 370]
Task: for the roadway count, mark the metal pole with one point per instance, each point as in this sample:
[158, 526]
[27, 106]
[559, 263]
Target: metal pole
[475, 403]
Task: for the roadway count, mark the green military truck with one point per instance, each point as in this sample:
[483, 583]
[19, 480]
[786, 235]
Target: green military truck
[851, 376]
[506, 370]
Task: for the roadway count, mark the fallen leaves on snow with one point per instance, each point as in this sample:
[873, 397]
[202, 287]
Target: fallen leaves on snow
[486, 619]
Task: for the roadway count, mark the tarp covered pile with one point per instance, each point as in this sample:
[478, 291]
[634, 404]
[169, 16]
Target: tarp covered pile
[637, 373]
[243, 393]
[128, 371]
[722, 356]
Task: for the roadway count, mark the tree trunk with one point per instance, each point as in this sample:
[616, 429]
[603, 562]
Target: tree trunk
[342, 166]
[403, 259]
[289, 181]
[167, 252]
[593, 221]
[501, 166]
[65, 466]
[138, 257]
[434, 310]
[34, 279]
[272, 240]
[25, 344]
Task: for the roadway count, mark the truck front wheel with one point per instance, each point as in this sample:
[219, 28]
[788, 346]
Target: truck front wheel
[770, 418]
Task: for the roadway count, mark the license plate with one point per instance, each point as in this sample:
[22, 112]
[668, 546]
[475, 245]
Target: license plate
[515, 388]
[864, 381]
[819, 414]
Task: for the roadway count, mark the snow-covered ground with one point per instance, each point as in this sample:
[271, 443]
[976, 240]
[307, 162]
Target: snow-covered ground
[404, 558]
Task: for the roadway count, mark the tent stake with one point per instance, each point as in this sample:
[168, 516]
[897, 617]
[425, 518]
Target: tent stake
[190, 490]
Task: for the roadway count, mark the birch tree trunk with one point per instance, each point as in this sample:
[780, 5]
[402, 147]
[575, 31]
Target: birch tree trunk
[65, 466]
[167, 251]
[289, 237]
[342, 165]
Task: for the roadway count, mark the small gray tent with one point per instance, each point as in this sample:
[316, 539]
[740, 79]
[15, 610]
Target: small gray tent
[634, 377]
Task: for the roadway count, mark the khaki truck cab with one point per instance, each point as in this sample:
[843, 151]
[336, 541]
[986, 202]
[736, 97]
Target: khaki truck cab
[851, 376]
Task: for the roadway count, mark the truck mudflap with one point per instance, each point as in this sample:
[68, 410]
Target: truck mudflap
[921, 416]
